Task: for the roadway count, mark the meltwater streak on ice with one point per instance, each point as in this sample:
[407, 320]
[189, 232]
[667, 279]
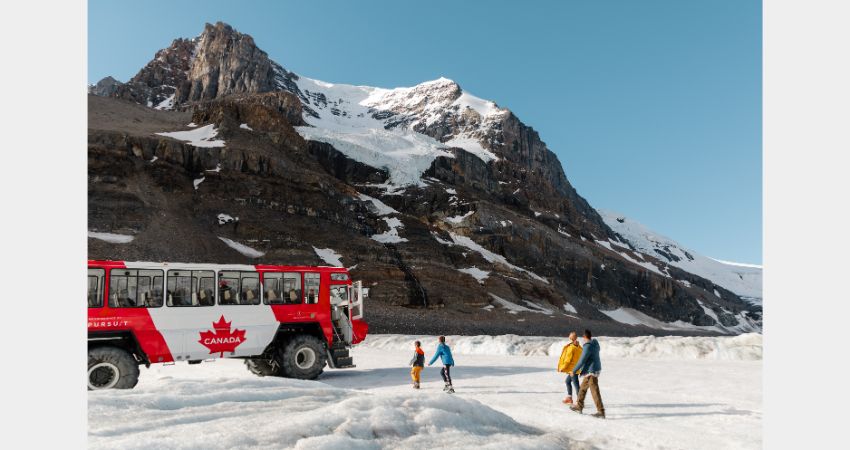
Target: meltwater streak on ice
[745, 347]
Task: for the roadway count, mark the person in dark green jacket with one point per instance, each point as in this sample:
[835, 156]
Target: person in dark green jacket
[590, 367]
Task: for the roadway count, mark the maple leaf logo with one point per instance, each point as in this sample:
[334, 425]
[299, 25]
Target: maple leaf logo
[222, 340]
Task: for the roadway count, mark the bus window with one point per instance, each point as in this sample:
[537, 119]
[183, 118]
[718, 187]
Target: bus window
[190, 288]
[238, 288]
[282, 288]
[135, 288]
[249, 294]
[311, 286]
[228, 288]
[273, 293]
[95, 282]
[292, 288]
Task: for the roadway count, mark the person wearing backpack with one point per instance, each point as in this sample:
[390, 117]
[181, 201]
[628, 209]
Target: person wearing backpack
[570, 355]
[418, 362]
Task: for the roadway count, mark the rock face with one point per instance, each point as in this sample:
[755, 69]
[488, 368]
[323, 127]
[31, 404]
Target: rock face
[106, 87]
[227, 62]
[491, 238]
[219, 62]
[158, 82]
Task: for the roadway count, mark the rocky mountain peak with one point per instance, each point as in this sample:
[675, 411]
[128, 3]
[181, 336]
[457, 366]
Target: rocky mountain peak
[105, 87]
[227, 62]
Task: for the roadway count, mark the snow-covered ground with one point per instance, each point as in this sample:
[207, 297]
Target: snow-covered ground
[742, 279]
[669, 392]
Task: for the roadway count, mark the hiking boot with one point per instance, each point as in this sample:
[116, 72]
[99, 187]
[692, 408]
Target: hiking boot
[451, 390]
[575, 408]
[416, 385]
[568, 400]
[599, 414]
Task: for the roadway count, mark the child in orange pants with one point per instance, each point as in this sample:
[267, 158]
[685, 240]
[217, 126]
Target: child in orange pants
[418, 362]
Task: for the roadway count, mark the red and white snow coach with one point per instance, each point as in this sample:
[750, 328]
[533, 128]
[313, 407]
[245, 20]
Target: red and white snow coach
[282, 320]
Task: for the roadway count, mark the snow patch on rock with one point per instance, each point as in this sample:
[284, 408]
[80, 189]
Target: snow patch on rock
[243, 249]
[166, 104]
[390, 236]
[378, 207]
[199, 137]
[112, 238]
[226, 218]
[475, 272]
[742, 279]
[329, 256]
[464, 241]
[459, 219]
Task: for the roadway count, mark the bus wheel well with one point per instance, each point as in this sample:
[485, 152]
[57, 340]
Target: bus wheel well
[287, 331]
[124, 340]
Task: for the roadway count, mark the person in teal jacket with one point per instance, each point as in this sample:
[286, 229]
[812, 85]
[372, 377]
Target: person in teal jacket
[445, 354]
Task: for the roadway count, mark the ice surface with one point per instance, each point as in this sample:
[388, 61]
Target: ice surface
[329, 256]
[659, 393]
[112, 238]
[243, 249]
[241, 412]
[744, 347]
[199, 137]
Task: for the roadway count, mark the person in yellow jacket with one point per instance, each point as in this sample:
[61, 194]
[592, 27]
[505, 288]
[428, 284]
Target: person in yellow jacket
[569, 357]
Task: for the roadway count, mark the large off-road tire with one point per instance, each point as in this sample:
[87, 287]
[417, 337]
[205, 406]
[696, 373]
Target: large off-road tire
[111, 368]
[304, 357]
[263, 366]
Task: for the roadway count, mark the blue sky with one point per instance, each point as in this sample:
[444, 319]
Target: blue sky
[653, 107]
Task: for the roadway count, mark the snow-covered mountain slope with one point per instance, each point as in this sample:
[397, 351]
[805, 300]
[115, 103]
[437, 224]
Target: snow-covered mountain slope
[388, 128]
[742, 279]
